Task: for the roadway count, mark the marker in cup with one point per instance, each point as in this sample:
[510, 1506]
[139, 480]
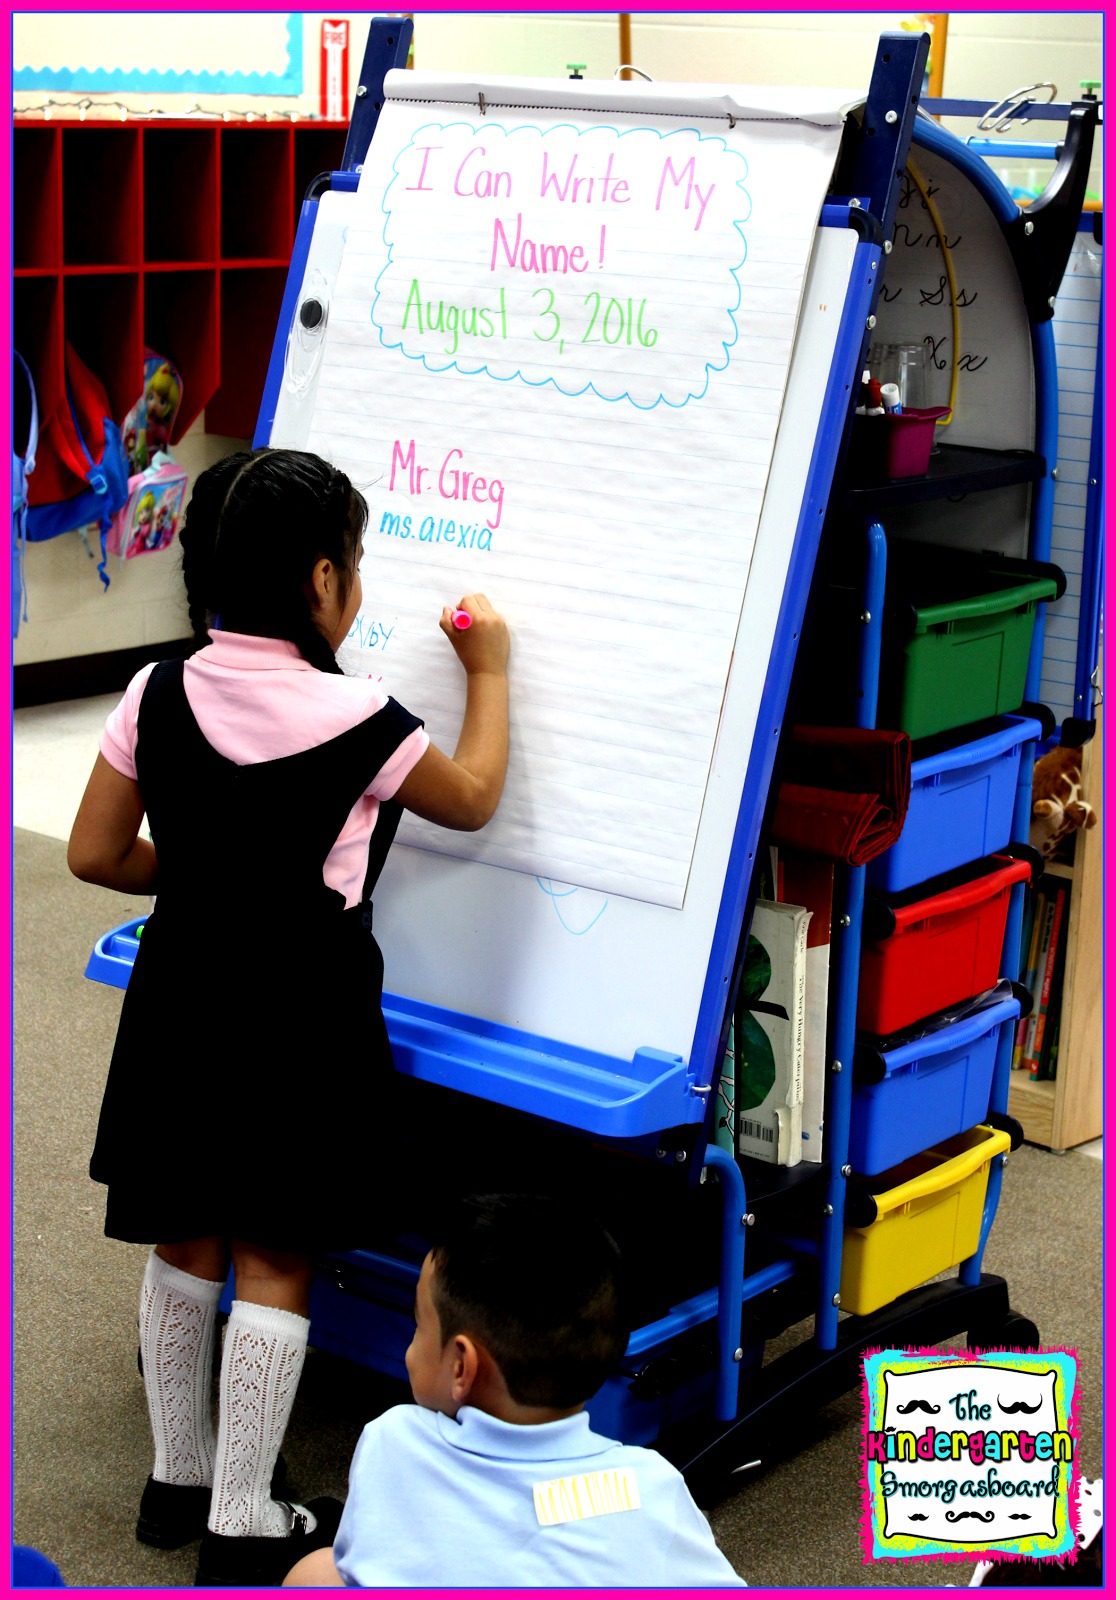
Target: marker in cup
[889, 394]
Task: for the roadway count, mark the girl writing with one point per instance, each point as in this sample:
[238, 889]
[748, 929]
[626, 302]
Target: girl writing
[249, 1093]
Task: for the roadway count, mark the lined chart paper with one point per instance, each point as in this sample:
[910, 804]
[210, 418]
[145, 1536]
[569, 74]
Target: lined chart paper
[1076, 324]
[557, 352]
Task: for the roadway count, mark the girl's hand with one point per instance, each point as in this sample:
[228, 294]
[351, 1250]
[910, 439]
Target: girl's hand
[484, 645]
[463, 790]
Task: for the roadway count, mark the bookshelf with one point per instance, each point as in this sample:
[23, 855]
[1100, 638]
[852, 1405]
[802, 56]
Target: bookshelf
[175, 234]
[1068, 1110]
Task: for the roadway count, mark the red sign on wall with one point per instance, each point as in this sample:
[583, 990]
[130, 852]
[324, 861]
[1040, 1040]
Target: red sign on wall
[335, 71]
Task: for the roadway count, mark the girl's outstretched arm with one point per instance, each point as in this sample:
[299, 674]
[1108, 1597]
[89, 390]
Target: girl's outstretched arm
[105, 846]
[463, 793]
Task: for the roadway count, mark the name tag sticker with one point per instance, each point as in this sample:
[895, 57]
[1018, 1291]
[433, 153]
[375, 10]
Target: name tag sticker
[588, 1494]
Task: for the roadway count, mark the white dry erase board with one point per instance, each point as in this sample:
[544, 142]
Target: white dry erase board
[558, 363]
[1076, 332]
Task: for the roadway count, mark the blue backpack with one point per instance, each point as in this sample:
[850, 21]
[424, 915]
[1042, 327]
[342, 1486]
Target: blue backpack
[25, 412]
[82, 475]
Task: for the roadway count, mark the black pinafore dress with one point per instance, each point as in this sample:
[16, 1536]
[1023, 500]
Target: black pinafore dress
[250, 1093]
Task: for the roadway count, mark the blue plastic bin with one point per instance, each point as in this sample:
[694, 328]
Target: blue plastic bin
[362, 1308]
[930, 1089]
[961, 808]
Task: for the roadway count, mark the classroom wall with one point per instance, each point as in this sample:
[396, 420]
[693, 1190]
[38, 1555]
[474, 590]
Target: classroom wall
[987, 55]
[114, 42]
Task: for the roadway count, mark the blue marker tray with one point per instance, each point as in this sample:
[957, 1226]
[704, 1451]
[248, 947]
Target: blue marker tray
[112, 956]
[580, 1088]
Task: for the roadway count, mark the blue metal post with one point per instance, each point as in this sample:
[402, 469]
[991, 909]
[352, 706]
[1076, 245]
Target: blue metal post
[1042, 496]
[847, 982]
[730, 1299]
[887, 123]
[389, 41]
[969, 1271]
[1088, 621]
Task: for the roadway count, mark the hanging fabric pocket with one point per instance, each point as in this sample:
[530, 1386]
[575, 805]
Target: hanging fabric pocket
[25, 439]
[81, 473]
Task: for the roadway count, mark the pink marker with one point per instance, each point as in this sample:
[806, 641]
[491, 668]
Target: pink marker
[461, 619]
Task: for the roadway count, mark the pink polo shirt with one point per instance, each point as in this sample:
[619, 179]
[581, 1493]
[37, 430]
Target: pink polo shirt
[258, 699]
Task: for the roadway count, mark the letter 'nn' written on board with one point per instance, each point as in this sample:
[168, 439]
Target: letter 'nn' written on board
[555, 362]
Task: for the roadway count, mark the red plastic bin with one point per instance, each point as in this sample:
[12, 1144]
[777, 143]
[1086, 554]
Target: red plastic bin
[940, 943]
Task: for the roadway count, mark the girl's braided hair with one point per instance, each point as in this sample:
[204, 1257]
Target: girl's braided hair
[257, 524]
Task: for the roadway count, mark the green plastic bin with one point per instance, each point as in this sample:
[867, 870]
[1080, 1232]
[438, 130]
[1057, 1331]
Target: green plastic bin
[957, 636]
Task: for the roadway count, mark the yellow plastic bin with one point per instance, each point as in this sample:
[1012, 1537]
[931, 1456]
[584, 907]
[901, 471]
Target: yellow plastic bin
[928, 1216]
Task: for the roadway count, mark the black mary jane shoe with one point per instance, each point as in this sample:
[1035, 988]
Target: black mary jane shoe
[174, 1514]
[229, 1561]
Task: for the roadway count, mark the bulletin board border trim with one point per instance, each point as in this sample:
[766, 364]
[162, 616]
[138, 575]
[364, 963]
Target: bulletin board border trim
[102, 80]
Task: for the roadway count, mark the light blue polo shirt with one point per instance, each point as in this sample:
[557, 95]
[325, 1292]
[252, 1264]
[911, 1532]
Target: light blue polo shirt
[472, 1502]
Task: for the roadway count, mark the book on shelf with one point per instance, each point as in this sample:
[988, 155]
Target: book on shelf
[1052, 1057]
[724, 1114]
[769, 1025]
[807, 880]
[1050, 993]
[1024, 1031]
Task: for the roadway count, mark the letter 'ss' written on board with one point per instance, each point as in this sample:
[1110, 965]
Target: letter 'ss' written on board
[581, 259]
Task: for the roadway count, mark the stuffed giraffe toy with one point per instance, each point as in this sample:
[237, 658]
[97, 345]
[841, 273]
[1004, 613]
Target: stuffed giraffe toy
[1058, 807]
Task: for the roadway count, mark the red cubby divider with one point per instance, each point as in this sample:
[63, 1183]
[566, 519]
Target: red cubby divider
[37, 321]
[180, 198]
[251, 298]
[126, 236]
[101, 208]
[316, 150]
[181, 321]
[256, 182]
[103, 313]
[37, 200]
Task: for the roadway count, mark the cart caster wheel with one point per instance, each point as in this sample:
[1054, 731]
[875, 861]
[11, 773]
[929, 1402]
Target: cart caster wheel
[1014, 1333]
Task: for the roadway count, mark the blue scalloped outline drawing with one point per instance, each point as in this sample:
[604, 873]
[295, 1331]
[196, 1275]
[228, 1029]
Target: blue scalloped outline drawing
[102, 80]
[554, 895]
[541, 383]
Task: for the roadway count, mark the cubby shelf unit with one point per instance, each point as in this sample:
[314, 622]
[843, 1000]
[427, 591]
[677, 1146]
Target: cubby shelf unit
[175, 235]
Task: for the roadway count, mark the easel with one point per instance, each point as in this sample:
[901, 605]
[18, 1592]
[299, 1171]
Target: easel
[657, 1108]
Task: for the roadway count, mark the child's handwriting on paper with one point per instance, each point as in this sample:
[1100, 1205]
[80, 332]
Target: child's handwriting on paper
[369, 634]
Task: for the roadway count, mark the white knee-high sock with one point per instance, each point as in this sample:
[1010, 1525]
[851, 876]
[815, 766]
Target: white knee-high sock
[177, 1320]
[262, 1362]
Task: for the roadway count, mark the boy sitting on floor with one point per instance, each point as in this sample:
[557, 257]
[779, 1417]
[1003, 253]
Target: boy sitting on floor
[494, 1479]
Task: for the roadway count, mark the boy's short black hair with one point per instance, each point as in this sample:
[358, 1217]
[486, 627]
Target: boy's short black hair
[537, 1281]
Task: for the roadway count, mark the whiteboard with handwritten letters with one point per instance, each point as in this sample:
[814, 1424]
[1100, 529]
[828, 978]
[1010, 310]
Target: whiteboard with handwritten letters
[1077, 329]
[558, 363]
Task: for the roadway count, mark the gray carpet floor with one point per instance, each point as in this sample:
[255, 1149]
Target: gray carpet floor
[81, 1443]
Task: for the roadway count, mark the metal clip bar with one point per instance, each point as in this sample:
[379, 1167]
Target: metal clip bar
[1009, 108]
